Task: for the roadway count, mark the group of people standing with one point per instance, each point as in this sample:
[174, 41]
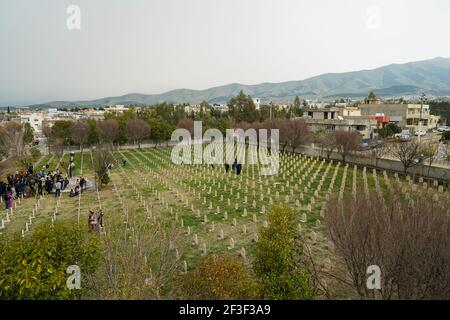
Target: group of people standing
[30, 183]
[51, 180]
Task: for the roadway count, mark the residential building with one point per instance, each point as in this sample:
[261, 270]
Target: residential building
[35, 119]
[411, 116]
[195, 108]
[219, 107]
[116, 109]
[332, 119]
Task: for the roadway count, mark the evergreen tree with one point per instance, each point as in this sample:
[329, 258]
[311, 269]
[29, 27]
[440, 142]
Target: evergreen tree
[242, 108]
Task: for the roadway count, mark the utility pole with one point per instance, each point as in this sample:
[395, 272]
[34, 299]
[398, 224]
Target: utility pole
[422, 98]
[271, 105]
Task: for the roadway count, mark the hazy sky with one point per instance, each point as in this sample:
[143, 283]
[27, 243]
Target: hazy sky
[152, 46]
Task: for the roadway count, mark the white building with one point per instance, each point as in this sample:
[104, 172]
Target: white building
[219, 107]
[35, 120]
[117, 109]
[195, 108]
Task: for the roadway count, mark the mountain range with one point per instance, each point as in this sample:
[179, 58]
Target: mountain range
[429, 76]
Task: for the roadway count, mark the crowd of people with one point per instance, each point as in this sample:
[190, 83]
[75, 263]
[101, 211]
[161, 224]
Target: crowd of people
[25, 184]
[34, 182]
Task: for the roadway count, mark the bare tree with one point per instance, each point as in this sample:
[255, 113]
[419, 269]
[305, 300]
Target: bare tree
[79, 133]
[47, 131]
[13, 139]
[408, 238]
[429, 152]
[140, 261]
[408, 152]
[326, 142]
[188, 124]
[346, 142]
[109, 130]
[282, 126]
[137, 130]
[298, 133]
[57, 149]
[269, 125]
[102, 160]
[4, 149]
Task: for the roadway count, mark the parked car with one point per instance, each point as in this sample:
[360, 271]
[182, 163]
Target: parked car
[371, 144]
[443, 129]
[420, 133]
[405, 137]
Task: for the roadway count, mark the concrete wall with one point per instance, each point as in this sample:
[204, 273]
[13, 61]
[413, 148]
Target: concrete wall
[393, 110]
[434, 172]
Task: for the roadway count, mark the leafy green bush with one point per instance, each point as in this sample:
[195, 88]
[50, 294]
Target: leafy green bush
[220, 277]
[35, 267]
[279, 265]
[35, 154]
[446, 135]
[389, 130]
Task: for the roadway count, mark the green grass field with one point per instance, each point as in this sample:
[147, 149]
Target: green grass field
[211, 211]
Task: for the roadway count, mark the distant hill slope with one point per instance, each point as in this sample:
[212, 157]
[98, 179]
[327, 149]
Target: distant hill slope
[430, 76]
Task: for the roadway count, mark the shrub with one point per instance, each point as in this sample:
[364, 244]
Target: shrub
[35, 154]
[220, 277]
[35, 267]
[280, 266]
[446, 136]
[409, 239]
[102, 160]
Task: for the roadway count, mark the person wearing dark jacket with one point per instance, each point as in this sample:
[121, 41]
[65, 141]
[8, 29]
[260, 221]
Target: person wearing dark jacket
[3, 191]
[48, 185]
[238, 169]
[82, 183]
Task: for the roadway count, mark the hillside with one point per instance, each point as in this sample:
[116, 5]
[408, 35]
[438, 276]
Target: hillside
[429, 76]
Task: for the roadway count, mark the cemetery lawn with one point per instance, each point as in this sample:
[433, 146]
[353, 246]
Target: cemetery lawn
[213, 211]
